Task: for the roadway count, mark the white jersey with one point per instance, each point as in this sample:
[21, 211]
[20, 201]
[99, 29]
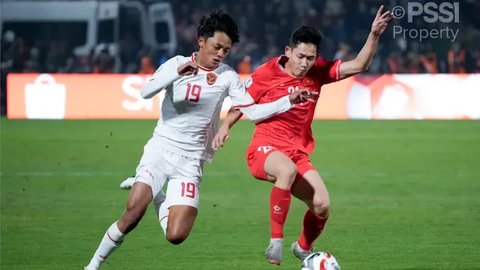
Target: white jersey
[191, 107]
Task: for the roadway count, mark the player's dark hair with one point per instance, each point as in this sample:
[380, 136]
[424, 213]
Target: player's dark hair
[218, 20]
[305, 34]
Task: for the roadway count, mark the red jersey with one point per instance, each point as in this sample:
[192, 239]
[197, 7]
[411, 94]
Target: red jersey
[291, 129]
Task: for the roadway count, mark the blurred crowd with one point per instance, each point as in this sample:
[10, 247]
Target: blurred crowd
[265, 27]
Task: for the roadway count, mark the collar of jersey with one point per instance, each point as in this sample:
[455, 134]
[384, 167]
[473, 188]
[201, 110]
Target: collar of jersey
[201, 67]
[284, 58]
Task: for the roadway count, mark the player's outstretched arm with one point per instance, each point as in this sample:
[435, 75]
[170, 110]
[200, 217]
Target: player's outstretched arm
[260, 112]
[364, 58]
[233, 115]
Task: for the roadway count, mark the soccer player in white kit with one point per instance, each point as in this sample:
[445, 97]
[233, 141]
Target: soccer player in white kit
[195, 89]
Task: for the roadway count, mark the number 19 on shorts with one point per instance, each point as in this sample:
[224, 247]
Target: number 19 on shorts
[188, 190]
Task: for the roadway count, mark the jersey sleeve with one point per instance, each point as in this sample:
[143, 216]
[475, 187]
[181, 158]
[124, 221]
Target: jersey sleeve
[327, 71]
[243, 101]
[165, 75]
[257, 87]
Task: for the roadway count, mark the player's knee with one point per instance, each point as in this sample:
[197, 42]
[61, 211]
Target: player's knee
[132, 216]
[175, 237]
[287, 173]
[321, 207]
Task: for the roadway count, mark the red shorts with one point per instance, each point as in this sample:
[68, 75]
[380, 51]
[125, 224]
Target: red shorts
[257, 154]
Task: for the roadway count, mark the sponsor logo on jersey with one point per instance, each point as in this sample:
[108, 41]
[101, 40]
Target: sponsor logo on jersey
[211, 78]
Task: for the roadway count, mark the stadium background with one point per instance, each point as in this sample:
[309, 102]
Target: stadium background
[404, 193]
[265, 27]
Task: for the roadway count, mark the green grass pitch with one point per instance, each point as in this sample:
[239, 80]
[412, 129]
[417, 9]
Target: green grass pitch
[404, 195]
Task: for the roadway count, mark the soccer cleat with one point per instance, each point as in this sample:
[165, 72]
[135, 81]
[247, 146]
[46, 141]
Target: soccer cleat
[90, 268]
[127, 183]
[299, 252]
[274, 251]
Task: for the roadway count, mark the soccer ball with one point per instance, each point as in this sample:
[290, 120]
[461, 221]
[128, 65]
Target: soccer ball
[320, 261]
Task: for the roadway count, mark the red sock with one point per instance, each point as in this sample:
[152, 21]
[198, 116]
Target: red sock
[312, 228]
[279, 205]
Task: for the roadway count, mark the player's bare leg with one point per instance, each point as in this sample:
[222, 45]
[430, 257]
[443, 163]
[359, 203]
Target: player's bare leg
[139, 198]
[281, 171]
[312, 190]
[177, 222]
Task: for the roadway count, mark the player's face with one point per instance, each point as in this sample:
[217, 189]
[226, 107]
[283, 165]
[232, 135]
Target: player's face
[300, 59]
[213, 50]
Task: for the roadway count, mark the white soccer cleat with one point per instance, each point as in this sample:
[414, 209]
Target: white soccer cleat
[274, 251]
[90, 268]
[300, 252]
[127, 183]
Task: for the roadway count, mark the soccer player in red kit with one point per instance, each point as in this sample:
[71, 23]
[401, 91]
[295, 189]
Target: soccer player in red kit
[280, 146]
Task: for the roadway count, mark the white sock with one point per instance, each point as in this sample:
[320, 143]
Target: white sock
[112, 239]
[162, 213]
[163, 217]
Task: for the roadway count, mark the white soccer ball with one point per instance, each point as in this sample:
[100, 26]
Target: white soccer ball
[320, 261]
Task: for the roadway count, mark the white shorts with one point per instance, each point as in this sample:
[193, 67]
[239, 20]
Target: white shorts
[182, 174]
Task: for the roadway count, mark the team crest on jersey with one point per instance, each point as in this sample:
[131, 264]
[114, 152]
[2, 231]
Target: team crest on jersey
[211, 78]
